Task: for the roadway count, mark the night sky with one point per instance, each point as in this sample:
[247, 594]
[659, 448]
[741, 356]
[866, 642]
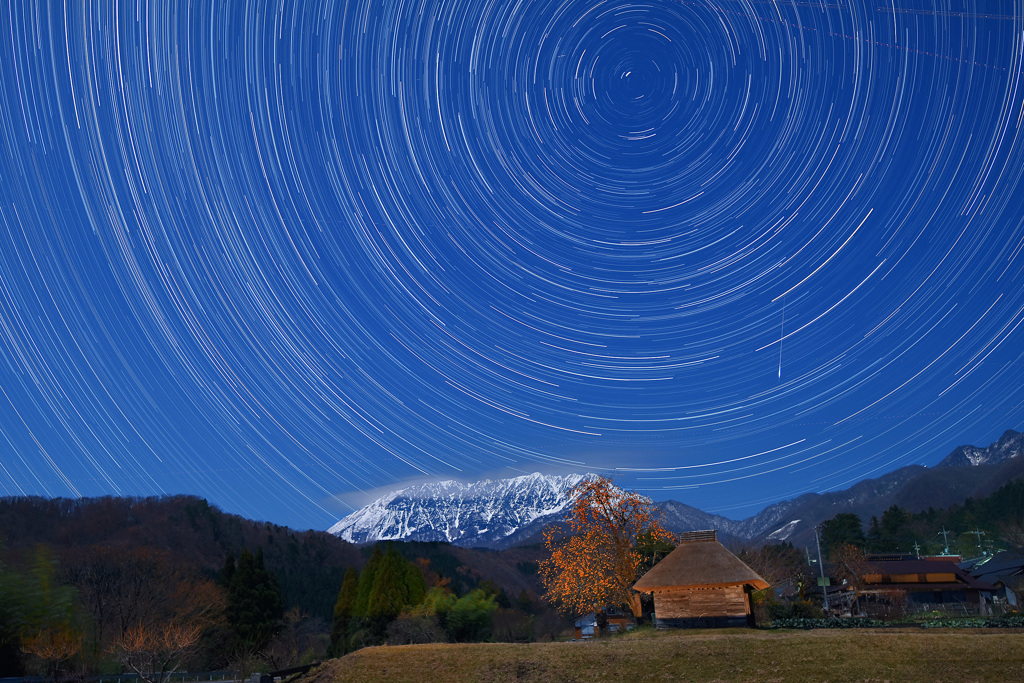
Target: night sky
[282, 254]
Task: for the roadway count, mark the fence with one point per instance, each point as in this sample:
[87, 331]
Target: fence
[176, 677]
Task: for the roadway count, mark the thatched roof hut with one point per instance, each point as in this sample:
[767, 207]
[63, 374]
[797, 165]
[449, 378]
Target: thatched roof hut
[700, 584]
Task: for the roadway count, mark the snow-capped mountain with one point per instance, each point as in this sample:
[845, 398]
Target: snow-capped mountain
[505, 512]
[485, 513]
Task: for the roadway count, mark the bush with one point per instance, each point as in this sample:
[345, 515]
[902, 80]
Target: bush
[359, 639]
[512, 626]
[470, 618]
[1008, 621]
[797, 609]
[856, 622]
[779, 610]
[414, 629]
[805, 609]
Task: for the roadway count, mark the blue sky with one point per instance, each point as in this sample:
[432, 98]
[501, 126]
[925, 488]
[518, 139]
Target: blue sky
[281, 254]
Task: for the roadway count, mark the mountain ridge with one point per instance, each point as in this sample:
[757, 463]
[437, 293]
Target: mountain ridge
[524, 505]
[1010, 445]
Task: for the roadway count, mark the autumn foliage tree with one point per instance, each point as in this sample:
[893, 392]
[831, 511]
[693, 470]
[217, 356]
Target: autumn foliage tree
[55, 645]
[594, 560]
[160, 641]
[155, 651]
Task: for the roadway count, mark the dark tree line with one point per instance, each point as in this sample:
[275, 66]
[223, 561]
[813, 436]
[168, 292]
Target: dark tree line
[976, 526]
[141, 609]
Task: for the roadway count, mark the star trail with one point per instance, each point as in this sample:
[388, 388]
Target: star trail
[728, 251]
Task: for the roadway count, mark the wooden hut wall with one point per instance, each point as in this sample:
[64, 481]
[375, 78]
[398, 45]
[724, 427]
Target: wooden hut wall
[702, 607]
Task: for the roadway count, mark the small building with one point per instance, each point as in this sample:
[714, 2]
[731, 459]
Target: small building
[701, 584]
[609, 621]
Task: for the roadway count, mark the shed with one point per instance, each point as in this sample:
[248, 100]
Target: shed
[610, 621]
[701, 584]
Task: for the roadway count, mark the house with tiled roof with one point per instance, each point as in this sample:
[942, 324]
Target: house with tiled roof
[930, 583]
[1005, 571]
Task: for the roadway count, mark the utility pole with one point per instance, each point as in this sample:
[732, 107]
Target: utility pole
[945, 539]
[821, 567]
[977, 532]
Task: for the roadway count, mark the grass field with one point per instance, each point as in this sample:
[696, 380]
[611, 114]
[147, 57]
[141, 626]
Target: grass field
[719, 655]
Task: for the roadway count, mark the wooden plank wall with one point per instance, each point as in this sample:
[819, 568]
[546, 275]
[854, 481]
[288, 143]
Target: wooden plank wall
[730, 601]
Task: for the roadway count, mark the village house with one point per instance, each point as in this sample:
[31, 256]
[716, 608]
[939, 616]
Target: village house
[701, 584]
[927, 584]
[1005, 571]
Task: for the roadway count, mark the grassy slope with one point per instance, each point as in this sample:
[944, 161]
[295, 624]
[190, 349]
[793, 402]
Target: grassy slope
[734, 655]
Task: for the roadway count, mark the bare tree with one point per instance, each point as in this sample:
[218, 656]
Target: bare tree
[1012, 533]
[155, 652]
[780, 565]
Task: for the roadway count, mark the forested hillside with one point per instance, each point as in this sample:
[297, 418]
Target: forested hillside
[994, 522]
[94, 569]
[308, 565]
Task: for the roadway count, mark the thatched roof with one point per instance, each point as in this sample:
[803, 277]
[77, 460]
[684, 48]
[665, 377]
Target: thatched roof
[702, 563]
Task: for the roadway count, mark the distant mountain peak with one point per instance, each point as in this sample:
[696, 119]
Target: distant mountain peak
[1010, 445]
[482, 513]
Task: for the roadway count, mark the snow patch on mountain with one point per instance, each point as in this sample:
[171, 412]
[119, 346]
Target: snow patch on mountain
[784, 532]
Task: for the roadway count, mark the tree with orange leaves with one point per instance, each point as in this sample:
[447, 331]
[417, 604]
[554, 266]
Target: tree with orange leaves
[54, 644]
[155, 651]
[594, 561]
[157, 645]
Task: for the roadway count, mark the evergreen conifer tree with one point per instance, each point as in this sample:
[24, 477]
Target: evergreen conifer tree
[397, 583]
[524, 603]
[416, 587]
[365, 584]
[843, 529]
[228, 571]
[254, 602]
[343, 610]
[387, 584]
[388, 593]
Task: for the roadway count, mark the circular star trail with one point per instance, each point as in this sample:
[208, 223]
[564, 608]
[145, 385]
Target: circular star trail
[727, 250]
